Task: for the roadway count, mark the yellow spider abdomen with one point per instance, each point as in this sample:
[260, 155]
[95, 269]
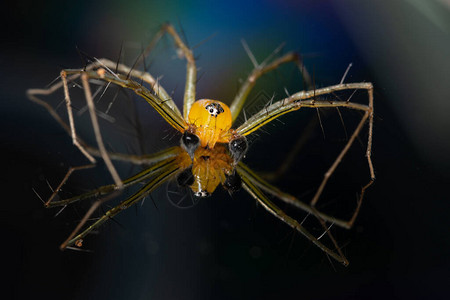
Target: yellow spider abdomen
[211, 120]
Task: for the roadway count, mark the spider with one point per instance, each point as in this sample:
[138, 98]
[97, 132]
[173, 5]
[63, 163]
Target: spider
[211, 149]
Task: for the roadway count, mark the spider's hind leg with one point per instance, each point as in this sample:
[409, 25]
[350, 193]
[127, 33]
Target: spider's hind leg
[251, 184]
[163, 171]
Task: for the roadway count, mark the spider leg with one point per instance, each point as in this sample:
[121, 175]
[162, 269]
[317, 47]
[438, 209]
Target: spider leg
[101, 69]
[95, 125]
[107, 189]
[159, 160]
[258, 71]
[165, 172]
[173, 117]
[136, 159]
[86, 149]
[49, 202]
[307, 99]
[274, 191]
[249, 185]
[303, 99]
[145, 159]
[191, 69]
[137, 75]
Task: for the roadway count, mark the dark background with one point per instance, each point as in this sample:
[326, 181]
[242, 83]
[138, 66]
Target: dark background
[229, 249]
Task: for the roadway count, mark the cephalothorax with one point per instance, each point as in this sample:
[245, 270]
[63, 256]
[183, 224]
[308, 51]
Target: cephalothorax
[211, 150]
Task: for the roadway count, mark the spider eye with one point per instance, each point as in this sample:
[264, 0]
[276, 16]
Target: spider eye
[232, 182]
[214, 109]
[238, 147]
[185, 178]
[202, 194]
[190, 143]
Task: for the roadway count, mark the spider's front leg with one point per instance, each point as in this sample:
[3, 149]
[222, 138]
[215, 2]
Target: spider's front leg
[368, 116]
[261, 69]
[95, 125]
[136, 75]
[70, 129]
[307, 99]
[191, 70]
[93, 71]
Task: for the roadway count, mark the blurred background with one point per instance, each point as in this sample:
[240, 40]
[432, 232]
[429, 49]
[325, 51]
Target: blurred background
[228, 248]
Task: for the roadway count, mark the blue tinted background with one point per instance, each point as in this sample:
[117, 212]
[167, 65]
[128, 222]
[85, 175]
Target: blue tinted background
[400, 248]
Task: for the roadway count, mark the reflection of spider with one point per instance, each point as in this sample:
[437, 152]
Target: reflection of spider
[211, 150]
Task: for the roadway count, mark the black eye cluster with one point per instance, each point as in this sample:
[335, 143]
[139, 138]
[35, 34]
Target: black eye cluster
[214, 109]
[238, 147]
[190, 143]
